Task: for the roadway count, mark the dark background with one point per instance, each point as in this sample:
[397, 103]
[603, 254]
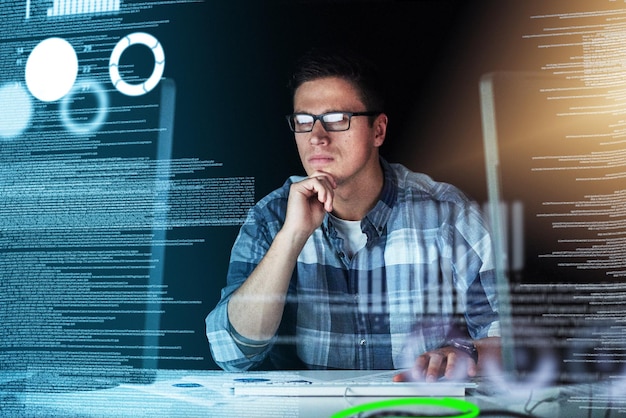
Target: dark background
[231, 60]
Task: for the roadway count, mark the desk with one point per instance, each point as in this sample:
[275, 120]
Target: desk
[176, 393]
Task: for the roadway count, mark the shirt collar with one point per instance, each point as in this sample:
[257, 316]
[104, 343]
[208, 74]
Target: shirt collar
[377, 218]
[375, 222]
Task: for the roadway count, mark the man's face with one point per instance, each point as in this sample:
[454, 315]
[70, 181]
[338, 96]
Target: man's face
[346, 155]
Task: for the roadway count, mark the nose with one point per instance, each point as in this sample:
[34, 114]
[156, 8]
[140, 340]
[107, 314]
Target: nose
[318, 135]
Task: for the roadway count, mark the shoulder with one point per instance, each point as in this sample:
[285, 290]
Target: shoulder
[280, 193]
[263, 222]
[419, 186]
[275, 203]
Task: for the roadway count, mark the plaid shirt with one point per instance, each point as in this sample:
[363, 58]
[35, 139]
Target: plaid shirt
[425, 275]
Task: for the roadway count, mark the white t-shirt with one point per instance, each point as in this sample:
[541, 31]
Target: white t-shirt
[350, 231]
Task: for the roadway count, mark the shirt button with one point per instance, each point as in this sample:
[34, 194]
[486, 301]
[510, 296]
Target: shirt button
[362, 341]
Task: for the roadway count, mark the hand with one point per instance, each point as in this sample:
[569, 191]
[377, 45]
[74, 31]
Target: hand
[309, 200]
[447, 362]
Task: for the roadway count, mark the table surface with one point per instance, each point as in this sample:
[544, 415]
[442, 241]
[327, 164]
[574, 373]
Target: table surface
[193, 393]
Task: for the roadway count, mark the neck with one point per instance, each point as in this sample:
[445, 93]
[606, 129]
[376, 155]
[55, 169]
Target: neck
[353, 200]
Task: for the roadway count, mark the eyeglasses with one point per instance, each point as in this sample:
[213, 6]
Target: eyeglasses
[332, 121]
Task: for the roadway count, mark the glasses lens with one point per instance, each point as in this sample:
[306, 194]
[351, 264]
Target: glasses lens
[336, 121]
[301, 122]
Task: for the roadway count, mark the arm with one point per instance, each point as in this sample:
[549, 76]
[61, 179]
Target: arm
[256, 308]
[474, 259]
[240, 329]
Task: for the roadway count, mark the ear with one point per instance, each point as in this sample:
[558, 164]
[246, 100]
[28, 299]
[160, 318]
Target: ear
[380, 129]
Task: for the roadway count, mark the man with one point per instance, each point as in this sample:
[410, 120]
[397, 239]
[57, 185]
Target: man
[361, 264]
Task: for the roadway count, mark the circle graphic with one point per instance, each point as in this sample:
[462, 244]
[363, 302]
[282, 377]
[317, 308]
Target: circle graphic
[463, 409]
[151, 42]
[85, 86]
[16, 110]
[51, 69]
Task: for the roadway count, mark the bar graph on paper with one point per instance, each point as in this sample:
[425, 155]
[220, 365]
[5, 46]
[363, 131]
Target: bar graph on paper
[77, 7]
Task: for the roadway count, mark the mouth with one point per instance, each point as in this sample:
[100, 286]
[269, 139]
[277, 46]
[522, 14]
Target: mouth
[320, 160]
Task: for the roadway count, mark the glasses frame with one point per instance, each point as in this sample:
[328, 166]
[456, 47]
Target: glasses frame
[321, 116]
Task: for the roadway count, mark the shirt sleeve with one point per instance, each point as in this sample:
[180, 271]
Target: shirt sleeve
[474, 264]
[230, 350]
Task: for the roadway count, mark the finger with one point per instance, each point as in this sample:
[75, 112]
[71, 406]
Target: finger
[472, 368]
[405, 376]
[324, 190]
[328, 202]
[421, 364]
[459, 367]
[454, 369]
[413, 374]
[322, 176]
[435, 364]
[400, 377]
[314, 185]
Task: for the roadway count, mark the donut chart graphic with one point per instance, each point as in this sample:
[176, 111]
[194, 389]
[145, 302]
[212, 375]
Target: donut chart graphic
[91, 87]
[138, 89]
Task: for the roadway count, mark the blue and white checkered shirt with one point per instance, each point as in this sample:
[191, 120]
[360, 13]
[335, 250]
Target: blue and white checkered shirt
[425, 275]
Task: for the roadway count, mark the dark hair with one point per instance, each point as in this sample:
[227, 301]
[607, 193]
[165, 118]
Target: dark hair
[346, 64]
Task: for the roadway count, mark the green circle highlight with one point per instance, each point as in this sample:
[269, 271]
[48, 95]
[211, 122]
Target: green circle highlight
[465, 409]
